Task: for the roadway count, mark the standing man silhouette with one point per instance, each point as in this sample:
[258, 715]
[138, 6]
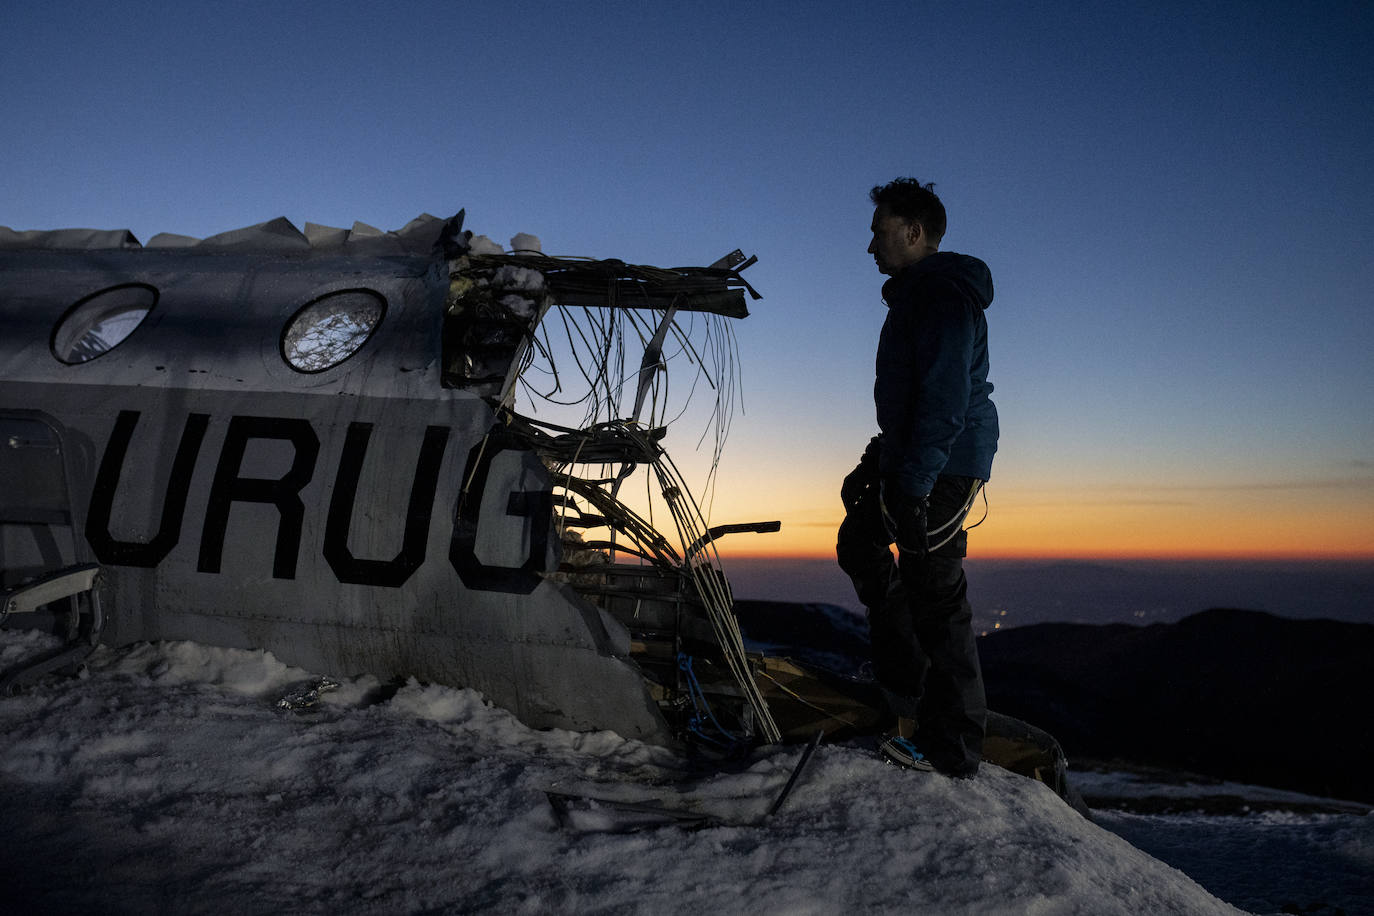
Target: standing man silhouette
[917, 481]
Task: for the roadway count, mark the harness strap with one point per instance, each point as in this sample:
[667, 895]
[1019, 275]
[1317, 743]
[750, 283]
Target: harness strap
[957, 518]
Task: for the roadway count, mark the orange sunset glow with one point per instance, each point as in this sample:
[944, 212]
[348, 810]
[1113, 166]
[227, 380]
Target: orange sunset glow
[1029, 525]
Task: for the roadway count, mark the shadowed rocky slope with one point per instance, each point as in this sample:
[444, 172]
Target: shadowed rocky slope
[1235, 694]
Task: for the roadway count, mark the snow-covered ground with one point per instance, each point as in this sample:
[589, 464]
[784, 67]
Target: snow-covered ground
[1261, 849]
[168, 780]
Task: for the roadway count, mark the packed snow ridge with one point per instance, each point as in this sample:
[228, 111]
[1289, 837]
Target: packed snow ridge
[168, 778]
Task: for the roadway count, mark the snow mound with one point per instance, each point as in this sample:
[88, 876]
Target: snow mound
[167, 779]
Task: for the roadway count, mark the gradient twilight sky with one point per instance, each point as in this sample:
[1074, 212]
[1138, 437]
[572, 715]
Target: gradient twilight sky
[1176, 201]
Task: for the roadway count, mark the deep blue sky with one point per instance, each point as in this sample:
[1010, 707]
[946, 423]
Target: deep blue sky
[1175, 200]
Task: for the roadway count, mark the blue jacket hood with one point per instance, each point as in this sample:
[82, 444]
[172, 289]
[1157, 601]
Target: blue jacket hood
[968, 273]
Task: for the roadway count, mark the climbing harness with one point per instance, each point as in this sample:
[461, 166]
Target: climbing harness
[958, 518]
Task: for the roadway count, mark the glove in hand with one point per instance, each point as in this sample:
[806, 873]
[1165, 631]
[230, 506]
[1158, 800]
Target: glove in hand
[904, 515]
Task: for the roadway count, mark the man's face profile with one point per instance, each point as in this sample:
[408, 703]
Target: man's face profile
[896, 243]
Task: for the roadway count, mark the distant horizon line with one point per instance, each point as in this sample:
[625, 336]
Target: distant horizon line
[1104, 557]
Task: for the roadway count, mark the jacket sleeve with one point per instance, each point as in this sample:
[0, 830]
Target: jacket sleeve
[927, 385]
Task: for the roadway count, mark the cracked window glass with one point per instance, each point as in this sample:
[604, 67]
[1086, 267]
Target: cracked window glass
[330, 329]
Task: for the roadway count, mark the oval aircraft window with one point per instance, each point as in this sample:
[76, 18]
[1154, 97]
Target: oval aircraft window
[98, 323]
[328, 330]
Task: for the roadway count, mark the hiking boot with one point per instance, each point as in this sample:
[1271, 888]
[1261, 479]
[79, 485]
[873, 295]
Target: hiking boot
[903, 753]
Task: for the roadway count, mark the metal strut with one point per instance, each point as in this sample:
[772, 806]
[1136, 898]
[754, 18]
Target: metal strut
[72, 582]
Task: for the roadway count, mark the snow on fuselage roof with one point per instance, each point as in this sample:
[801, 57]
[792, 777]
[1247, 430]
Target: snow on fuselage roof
[280, 234]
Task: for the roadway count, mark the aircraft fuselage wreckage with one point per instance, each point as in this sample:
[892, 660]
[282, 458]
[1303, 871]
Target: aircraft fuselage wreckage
[309, 443]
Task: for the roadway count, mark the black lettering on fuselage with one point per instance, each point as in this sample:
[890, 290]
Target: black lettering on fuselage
[131, 553]
[284, 493]
[536, 505]
[394, 572]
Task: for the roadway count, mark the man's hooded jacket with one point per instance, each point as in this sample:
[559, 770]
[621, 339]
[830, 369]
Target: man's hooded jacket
[932, 390]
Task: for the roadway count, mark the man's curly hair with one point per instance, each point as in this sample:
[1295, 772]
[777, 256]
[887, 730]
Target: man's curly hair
[914, 202]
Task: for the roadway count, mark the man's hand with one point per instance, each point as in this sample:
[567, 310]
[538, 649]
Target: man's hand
[862, 478]
[852, 491]
[904, 514]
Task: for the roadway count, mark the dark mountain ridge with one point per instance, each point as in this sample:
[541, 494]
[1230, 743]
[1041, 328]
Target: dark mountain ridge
[1225, 693]
[1234, 694]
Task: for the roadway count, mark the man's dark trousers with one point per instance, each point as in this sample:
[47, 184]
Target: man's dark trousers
[921, 625]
